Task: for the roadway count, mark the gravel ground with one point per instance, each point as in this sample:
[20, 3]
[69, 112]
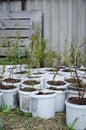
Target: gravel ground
[16, 120]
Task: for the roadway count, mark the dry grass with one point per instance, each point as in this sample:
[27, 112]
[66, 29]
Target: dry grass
[16, 120]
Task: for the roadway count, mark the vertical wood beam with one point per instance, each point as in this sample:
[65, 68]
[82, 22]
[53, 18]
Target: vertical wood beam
[23, 4]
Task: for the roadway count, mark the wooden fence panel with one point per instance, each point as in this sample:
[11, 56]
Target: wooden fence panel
[17, 27]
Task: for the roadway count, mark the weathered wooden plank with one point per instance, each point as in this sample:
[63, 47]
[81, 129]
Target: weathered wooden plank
[11, 33]
[17, 23]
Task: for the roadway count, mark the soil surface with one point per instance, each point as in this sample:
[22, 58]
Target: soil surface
[57, 83]
[1, 77]
[28, 89]
[67, 70]
[11, 80]
[16, 120]
[82, 70]
[44, 93]
[77, 100]
[84, 77]
[56, 89]
[7, 87]
[72, 80]
[31, 82]
[75, 86]
[21, 72]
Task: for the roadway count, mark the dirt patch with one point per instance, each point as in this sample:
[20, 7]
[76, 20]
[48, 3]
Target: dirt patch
[67, 70]
[7, 87]
[84, 77]
[21, 72]
[28, 89]
[75, 86]
[82, 70]
[77, 100]
[72, 80]
[31, 82]
[52, 70]
[57, 83]
[44, 93]
[11, 80]
[1, 77]
[56, 89]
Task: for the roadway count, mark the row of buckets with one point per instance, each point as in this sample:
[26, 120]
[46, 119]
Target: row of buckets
[43, 106]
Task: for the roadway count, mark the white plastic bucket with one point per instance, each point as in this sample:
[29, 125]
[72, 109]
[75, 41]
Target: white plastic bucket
[43, 105]
[10, 97]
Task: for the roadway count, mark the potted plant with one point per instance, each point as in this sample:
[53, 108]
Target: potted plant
[56, 81]
[76, 107]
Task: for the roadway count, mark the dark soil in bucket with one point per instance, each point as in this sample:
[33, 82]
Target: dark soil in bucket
[38, 73]
[56, 89]
[67, 70]
[7, 87]
[82, 69]
[44, 93]
[1, 76]
[28, 89]
[77, 100]
[56, 83]
[21, 72]
[72, 80]
[31, 82]
[75, 86]
[84, 77]
[52, 70]
[11, 80]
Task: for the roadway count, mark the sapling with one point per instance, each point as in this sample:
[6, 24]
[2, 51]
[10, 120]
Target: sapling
[79, 84]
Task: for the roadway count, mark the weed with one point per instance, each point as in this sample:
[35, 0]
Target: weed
[73, 123]
[28, 115]
[5, 110]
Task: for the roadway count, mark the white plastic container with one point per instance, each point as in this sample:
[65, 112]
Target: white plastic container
[43, 105]
[10, 97]
[25, 101]
[60, 99]
[1, 95]
[74, 112]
